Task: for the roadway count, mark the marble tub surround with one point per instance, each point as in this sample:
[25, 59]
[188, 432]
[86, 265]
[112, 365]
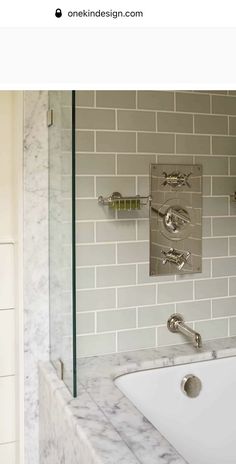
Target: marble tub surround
[104, 425]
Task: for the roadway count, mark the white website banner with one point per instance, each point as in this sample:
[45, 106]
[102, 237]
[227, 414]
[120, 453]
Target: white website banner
[122, 13]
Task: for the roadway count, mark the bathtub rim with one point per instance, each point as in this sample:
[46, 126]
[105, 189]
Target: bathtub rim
[96, 376]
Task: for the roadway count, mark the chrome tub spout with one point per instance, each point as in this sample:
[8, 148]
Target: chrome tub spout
[176, 323]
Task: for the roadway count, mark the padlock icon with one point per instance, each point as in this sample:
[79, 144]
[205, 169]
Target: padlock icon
[58, 13]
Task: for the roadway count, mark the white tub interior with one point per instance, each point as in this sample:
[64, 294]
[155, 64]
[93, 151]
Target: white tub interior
[202, 429]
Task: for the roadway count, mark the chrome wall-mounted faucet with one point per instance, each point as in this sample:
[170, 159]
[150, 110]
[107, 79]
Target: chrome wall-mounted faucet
[178, 258]
[176, 323]
[175, 219]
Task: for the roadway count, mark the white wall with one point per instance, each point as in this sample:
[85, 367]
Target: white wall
[9, 261]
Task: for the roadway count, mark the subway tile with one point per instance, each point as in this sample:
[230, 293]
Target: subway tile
[91, 300]
[193, 144]
[172, 292]
[223, 185]
[232, 207]
[95, 164]
[143, 185]
[168, 159]
[192, 103]
[215, 206]
[223, 104]
[7, 342]
[154, 315]
[85, 323]
[116, 99]
[223, 145]
[211, 288]
[136, 295]
[84, 232]
[233, 166]
[206, 185]
[124, 142]
[223, 267]
[214, 247]
[90, 255]
[156, 100]
[107, 185]
[143, 229]
[145, 278]
[231, 92]
[165, 337]
[85, 278]
[7, 290]
[90, 210]
[134, 164]
[136, 339]
[84, 98]
[232, 326]
[8, 453]
[8, 409]
[206, 227]
[174, 122]
[136, 120]
[217, 328]
[117, 319]
[224, 226]
[97, 344]
[84, 140]
[224, 307]
[208, 124]
[232, 246]
[232, 285]
[87, 118]
[141, 213]
[84, 186]
[111, 276]
[155, 143]
[112, 231]
[194, 310]
[212, 165]
[132, 252]
[232, 126]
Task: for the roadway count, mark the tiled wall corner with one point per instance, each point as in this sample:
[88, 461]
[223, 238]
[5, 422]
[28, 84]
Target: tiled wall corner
[119, 134]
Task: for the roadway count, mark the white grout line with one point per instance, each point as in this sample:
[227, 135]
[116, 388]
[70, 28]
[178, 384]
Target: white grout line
[131, 131]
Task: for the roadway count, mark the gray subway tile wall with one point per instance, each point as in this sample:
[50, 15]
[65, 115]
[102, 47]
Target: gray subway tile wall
[119, 134]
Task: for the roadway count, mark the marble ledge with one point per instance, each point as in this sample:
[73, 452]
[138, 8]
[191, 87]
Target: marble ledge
[105, 427]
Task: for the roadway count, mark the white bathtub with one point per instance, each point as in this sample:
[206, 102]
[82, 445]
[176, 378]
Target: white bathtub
[202, 429]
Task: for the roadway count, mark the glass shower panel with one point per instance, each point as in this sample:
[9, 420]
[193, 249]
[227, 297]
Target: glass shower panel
[62, 267]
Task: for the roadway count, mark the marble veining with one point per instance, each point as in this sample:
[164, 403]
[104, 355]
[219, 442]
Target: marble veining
[36, 320]
[107, 428]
